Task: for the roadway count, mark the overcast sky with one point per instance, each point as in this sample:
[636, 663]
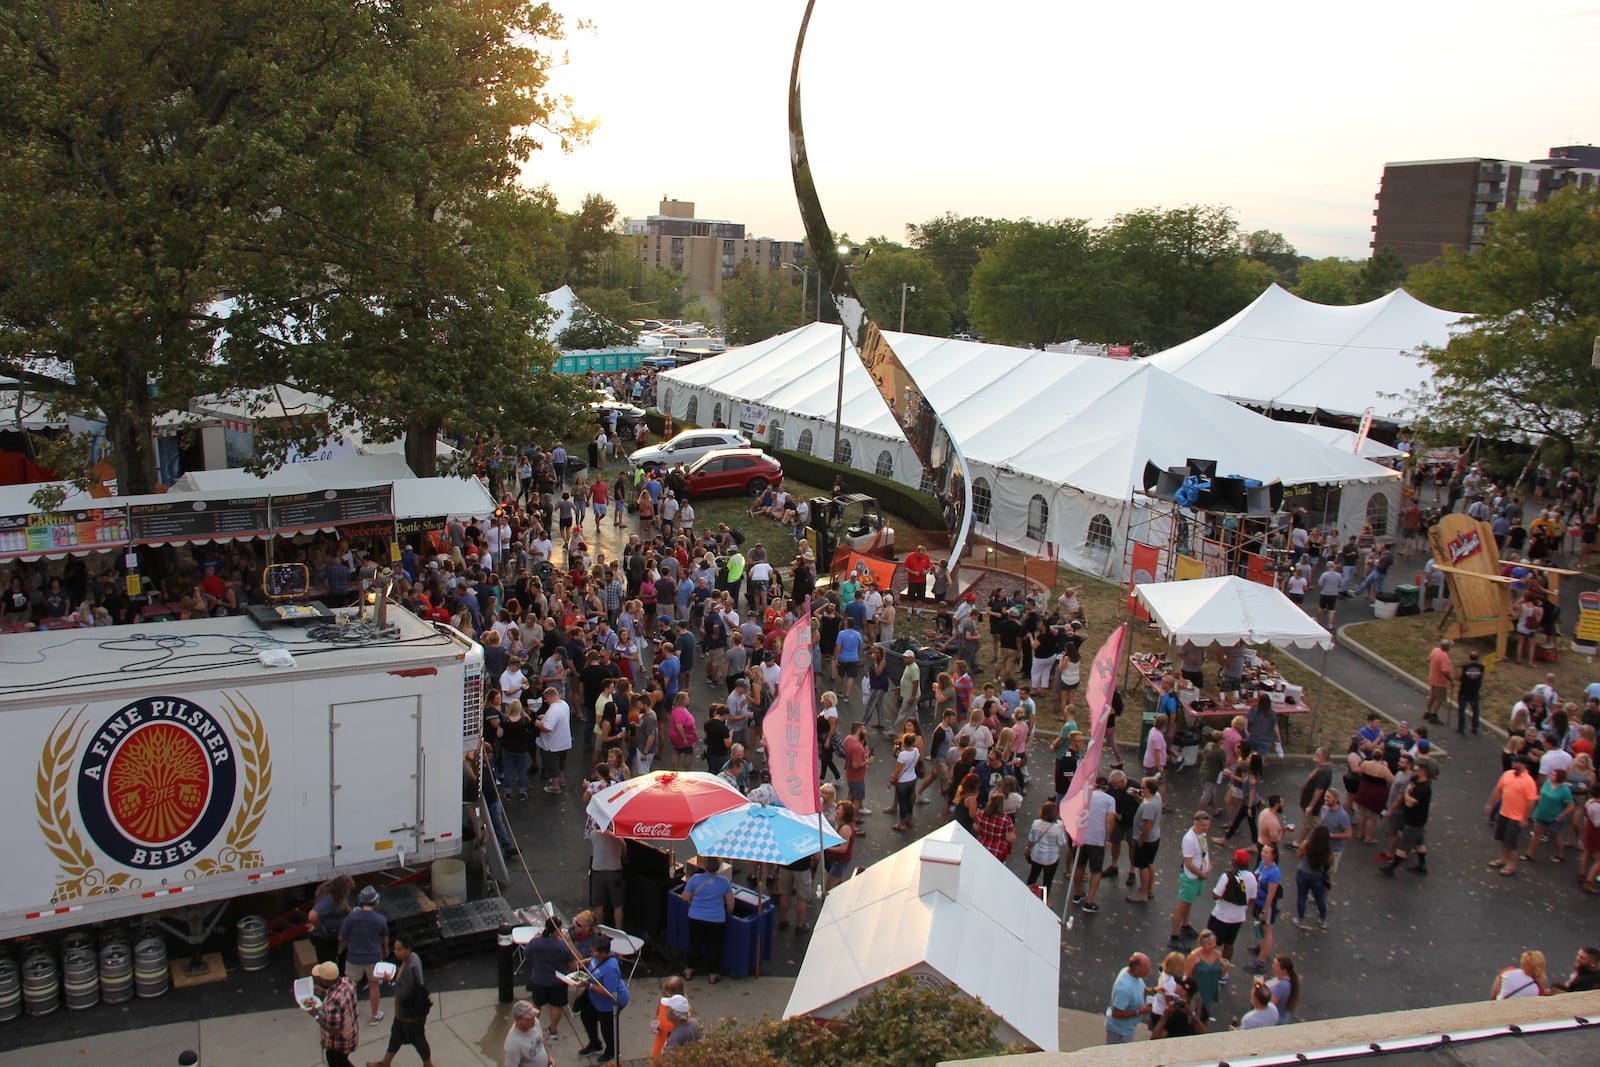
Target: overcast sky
[1012, 109]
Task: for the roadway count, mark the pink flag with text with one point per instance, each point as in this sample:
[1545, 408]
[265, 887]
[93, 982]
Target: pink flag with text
[790, 727]
[1098, 688]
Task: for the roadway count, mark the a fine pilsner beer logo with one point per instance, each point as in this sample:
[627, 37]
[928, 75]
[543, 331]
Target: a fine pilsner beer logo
[156, 783]
[164, 786]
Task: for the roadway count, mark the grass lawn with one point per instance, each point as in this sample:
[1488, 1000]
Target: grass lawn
[1406, 642]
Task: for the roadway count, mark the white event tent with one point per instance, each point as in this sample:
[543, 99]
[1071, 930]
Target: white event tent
[1056, 442]
[1229, 609]
[945, 912]
[1284, 353]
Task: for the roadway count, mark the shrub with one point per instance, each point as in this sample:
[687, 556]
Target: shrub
[902, 1024]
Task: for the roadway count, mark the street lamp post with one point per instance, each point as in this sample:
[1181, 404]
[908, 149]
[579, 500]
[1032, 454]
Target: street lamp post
[844, 334]
[805, 286]
[905, 287]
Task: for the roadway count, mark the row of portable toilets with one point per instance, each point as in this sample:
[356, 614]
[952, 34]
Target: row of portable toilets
[113, 969]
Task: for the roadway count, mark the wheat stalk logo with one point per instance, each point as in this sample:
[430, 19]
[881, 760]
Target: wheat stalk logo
[255, 753]
[79, 875]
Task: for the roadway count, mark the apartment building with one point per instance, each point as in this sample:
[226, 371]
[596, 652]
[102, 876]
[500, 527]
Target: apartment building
[706, 251]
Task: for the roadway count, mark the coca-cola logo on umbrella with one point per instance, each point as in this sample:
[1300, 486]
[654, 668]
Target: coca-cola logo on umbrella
[654, 829]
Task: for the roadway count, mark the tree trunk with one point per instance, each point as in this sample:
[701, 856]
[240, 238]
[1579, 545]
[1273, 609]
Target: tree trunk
[132, 452]
[422, 444]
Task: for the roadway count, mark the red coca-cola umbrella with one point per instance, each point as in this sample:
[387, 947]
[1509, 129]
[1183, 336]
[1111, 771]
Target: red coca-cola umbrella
[662, 805]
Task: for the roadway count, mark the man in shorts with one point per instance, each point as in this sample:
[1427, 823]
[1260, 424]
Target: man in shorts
[795, 884]
[1516, 793]
[1230, 901]
[1099, 823]
[1127, 801]
[1146, 839]
[1330, 583]
[364, 939]
[605, 877]
[1414, 821]
[1191, 878]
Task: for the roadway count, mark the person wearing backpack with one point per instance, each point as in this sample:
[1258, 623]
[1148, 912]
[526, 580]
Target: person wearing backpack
[411, 1006]
[1231, 899]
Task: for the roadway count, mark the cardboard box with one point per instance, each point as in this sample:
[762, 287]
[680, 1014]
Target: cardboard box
[305, 957]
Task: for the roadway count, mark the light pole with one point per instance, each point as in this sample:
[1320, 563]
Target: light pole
[905, 287]
[805, 286]
[844, 334]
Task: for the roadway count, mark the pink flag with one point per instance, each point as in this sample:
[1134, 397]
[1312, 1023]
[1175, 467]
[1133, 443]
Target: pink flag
[1102, 682]
[790, 727]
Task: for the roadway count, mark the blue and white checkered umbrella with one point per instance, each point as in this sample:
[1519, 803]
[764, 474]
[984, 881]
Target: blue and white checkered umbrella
[763, 833]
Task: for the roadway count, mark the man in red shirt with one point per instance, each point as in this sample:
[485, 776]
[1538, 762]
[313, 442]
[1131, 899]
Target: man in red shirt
[1440, 673]
[918, 564]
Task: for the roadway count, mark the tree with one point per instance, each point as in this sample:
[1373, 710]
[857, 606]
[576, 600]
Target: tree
[1329, 281]
[1183, 269]
[900, 1024]
[757, 304]
[1381, 275]
[344, 175]
[1274, 249]
[590, 329]
[1043, 282]
[879, 281]
[953, 244]
[1526, 365]
[590, 242]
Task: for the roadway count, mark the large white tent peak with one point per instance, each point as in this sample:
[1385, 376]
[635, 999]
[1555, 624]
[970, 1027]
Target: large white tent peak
[945, 911]
[1285, 352]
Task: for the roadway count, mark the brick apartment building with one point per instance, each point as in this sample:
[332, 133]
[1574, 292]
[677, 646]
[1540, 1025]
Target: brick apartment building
[1427, 205]
[707, 251]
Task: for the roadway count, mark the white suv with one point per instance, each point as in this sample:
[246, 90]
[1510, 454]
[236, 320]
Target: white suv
[687, 447]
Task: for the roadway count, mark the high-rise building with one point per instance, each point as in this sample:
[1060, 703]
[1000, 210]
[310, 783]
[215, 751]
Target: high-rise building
[707, 251]
[1428, 205]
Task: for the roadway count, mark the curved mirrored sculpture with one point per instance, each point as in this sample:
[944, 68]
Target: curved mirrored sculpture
[930, 439]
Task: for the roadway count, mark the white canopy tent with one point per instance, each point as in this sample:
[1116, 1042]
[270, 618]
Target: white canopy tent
[1227, 610]
[1056, 442]
[414, 498]
[1286, 353]
[946, 912]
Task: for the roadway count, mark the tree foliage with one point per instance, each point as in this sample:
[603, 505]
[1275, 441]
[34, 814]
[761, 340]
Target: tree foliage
[1043, 282]
[344, 175]
[1274, 250]
[901, 1024]
[590, 329]
[757, 304]
[878, 281]
[1183, 272]
[953, 245]
[1526, 365]
[1329, 281]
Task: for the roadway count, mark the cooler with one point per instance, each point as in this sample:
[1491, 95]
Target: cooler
[1409, 599]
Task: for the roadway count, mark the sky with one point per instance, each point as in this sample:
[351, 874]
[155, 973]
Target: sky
[1010, 109]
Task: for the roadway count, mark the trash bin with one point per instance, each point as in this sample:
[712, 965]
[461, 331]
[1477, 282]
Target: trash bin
[750, 930]
[1409, 599]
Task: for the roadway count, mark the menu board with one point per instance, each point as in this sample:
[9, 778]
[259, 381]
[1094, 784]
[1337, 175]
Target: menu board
[330, 508]
[184, 520]
[60, 532]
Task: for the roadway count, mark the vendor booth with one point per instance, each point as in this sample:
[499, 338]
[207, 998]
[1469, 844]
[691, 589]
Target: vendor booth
[947, 913]
[1228, 611]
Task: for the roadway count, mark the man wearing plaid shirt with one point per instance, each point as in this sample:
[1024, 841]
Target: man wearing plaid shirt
[341, 1030]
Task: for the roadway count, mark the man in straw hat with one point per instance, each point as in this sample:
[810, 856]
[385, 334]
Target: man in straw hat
[336, 1015]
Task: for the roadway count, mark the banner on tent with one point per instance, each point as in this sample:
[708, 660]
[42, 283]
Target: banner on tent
[1256, 568]
[1185, 568]
[1098, 691]
[753, 421]
[790, 727]
[1146, 561]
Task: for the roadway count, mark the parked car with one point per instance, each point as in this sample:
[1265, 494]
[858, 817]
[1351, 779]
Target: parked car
[687, 447]
[628, 415]
[733, 470]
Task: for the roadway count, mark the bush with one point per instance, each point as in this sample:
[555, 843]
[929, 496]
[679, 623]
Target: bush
[920, 509]
[902, 1024]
